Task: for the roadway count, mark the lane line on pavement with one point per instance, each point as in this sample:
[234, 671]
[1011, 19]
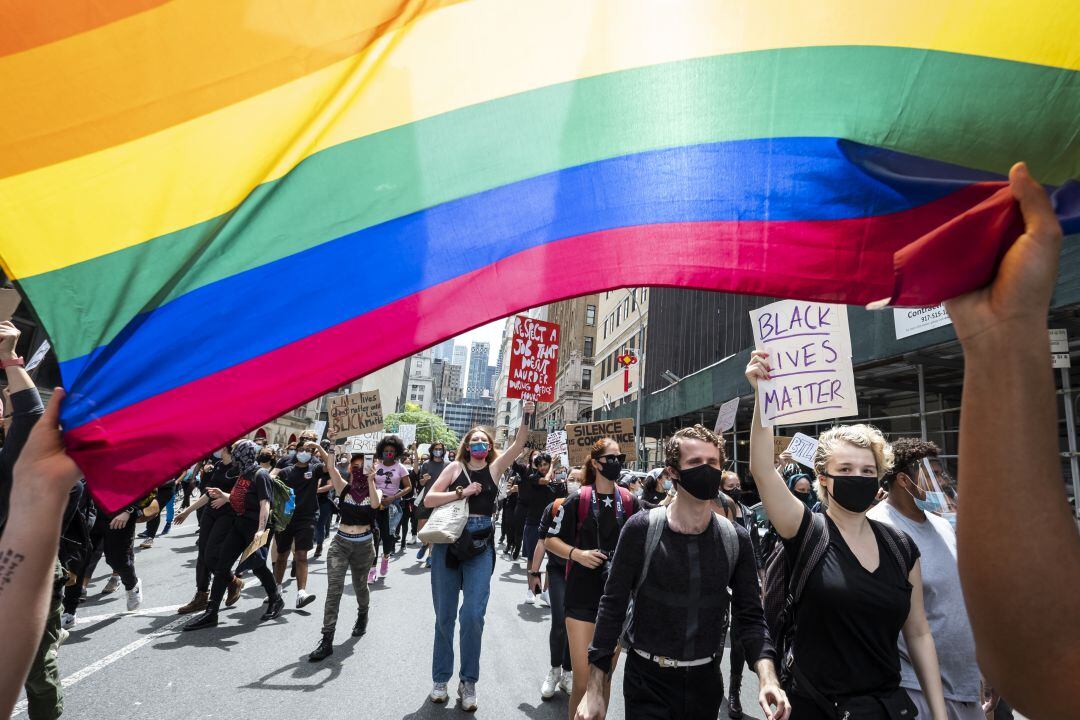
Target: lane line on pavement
[80, 675]
[91, 619]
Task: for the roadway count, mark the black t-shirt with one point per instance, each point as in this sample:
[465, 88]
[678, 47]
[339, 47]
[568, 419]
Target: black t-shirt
[304, 480]
[556, 564]
[354, 513]
[223, 477]
[849, 618]
[482, 503]
[432, 468]
[599, 531]
[534, 496]
[258, 491]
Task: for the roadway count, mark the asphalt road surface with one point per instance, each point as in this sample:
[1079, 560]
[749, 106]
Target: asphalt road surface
[120, 665]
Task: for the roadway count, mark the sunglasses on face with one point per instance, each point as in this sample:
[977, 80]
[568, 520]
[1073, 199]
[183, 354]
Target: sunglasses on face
[606, 459]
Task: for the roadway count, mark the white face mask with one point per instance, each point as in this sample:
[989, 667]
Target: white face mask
[303, 457]
[573, 487]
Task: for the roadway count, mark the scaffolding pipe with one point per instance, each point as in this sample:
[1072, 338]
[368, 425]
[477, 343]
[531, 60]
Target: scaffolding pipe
[1070, 427]
[922, 400]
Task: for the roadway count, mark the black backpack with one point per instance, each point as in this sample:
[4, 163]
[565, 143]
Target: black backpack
[783, 590]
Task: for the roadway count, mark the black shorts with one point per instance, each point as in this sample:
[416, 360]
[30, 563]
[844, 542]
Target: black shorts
[584, 614]
[299, 536]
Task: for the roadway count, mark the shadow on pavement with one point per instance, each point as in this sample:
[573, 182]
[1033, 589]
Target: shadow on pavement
[531, 613]
[302, 670]
[551, 710]
[232, 625]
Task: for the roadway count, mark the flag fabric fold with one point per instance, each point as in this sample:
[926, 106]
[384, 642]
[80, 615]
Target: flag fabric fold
[349, 182]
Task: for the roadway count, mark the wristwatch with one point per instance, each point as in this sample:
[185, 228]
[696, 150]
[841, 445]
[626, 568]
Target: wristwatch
[459, 492]
[534, 574]
[12, 362]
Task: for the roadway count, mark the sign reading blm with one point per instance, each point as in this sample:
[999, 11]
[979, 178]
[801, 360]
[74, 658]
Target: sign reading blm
[534, 358]
[581, 436]
[355, 414]
[809, 348]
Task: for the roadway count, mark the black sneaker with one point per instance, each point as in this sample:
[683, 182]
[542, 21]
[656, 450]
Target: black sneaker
[208, 619]
[277, 604]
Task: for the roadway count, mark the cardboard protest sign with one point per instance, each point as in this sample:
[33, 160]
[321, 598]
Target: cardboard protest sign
[726, 419]
[364, 443]
[407, 433]
[537, 440]
[581, 436]
[809, 348]
[556, 443]
[355, 414]
[802, 449]
[534, 358]
[9, 303]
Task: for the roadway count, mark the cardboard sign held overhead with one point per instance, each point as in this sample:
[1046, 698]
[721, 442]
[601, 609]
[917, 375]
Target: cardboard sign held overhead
[802, 449]
[581, 436]
[534, 358]
[809, 348]
[355, 414]
[407, 433]
[780, 444]
[9, 303]
[537, 440]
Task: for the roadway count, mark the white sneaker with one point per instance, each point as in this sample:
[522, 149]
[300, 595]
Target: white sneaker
[67, 621]
[112, 585]
[466, 692]
[303, 599]
[543, 600]
[438, 694]
[62, 637]
[547, 690]
[567, 683]
[530, 599]
[134, 596]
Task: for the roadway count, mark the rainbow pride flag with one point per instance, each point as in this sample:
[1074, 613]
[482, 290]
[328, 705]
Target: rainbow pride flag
[222, 209]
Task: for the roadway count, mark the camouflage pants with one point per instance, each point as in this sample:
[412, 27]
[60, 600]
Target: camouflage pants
[345, 556]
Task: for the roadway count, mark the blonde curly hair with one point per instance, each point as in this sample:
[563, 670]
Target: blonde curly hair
[861, 436]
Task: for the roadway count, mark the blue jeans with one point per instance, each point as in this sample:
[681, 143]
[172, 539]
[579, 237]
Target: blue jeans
[473, 577]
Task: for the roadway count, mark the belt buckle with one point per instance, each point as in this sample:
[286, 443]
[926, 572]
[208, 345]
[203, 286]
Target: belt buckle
[666, 662]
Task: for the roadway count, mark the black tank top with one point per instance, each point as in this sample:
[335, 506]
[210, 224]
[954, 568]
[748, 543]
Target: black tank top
[353, 513]
[484, 502]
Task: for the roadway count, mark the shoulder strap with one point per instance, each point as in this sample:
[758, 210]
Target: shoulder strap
[899, 545]
[626, 502]
[657, 522]
[730, 538]
[811, 551]
[583, 504]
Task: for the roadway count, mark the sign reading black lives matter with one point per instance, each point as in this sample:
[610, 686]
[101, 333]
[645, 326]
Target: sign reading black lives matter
[809, 348]
[581, 436]
[354, 414]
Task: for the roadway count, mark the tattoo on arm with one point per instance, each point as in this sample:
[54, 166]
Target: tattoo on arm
[9, 562]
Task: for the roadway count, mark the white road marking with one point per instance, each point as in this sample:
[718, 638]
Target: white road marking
[80, 675]
[91, 619]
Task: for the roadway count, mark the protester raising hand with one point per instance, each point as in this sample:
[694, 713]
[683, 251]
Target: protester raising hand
[1028, 641]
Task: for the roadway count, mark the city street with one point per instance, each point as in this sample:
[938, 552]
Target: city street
[121, 665]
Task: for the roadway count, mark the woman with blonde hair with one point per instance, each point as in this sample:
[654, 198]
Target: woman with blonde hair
[863, 580]
[453, 574]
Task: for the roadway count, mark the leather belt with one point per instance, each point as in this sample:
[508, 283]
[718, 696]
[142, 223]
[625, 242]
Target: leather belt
[666, 662]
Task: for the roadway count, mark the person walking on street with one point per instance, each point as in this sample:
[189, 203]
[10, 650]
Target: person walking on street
[304, 477]
[430, 470]
[678, 563]
[392, 479]
[466, 573]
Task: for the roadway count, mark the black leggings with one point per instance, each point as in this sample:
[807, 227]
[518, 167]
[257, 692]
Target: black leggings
[517, 529]
[189, 487]
[408, 518]
[73, 593]
[230, 537]
[165, 494]
[120, 553]
[738, 654]
[558, 643]
[203, 569]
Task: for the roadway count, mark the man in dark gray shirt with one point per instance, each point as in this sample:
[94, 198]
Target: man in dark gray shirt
[676, 634]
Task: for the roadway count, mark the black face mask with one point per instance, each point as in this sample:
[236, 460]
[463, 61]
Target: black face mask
[735, 494]
[854, 493]
[804, 497]
[702, 481]
[611, 470]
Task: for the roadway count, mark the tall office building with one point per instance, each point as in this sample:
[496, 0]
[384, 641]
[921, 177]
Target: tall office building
[443, 351]
[479, 375]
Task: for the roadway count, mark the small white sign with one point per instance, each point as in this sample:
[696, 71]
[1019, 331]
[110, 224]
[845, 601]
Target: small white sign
[912, 321]
[802, 449]
[1059, 349]
[407, 433]
[556, 443]
[809, 347]
[320, 428]
[364, 443]
[726, 419]
[43, 348]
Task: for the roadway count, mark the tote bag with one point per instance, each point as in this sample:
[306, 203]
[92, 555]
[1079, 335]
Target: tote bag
[447, 521]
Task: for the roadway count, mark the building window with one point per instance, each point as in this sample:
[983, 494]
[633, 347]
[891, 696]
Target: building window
[644, 294]
[626, 308]
[616, 318]
[633, 299]
[588, 346]
[590, 315]
[508, 407]
[633, 339]
[586, 379]
[506, 419]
